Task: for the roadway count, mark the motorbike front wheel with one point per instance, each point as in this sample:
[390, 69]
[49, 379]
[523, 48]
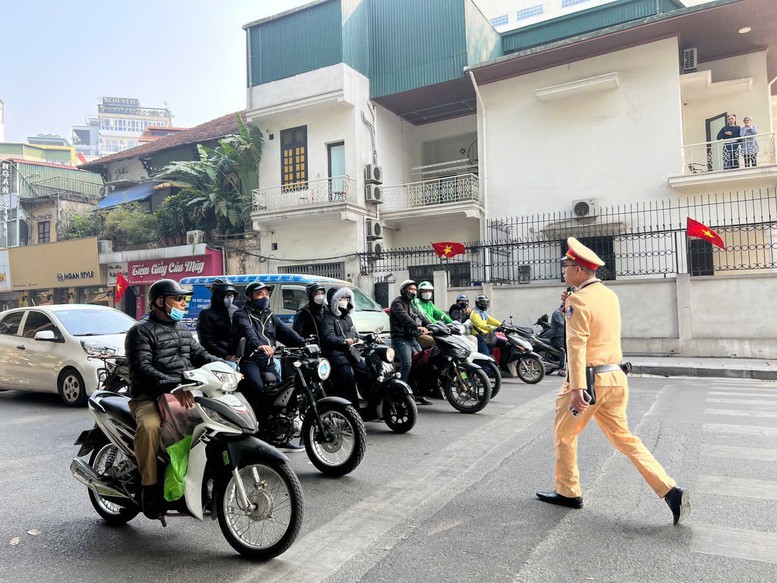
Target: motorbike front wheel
[400, 412]
[531, 370]
[341, 448]
[270, 525]
[102, 460]
[494, 375]
[469, 391]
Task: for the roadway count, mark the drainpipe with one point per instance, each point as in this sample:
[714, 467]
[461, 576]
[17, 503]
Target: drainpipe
[482, 173]
[769, 95]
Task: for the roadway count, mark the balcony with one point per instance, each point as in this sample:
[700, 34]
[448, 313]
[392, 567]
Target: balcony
[313, 199]
[439, 196]
[740, 161]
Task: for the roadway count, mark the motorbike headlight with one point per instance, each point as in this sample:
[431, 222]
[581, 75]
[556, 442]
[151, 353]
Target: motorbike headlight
[388, 356]
[229, 380]
[461, 353]
[216, 417]
[324, 369]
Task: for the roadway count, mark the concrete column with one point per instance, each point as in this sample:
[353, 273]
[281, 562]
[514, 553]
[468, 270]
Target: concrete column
[440, 283]
[684, 319]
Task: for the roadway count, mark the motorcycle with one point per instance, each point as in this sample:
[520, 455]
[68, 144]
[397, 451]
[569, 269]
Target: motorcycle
[445, 369]
[113, 375]
[245, 483]
[517, 356]
[333, 432]
[550, 354]
[385, 395]
[484, 361]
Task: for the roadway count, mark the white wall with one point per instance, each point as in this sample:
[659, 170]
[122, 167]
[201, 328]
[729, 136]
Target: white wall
[618, 145]
[130, 169]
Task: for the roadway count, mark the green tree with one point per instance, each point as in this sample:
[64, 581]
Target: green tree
[218, 185]
[175, 215]
[130, 224]
[84, 224]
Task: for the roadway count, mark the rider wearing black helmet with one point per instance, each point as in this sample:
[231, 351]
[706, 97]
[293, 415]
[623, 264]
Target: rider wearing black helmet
[214, 324]
[483, 324]
[260, 327]
[407, 324]
[307, 322]
[159, 349]
[459, 312]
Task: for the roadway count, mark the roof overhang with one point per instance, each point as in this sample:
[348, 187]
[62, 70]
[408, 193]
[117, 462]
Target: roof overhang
[712, 28]
[432, 103]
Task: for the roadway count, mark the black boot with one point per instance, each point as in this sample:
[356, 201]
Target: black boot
[152, 501]
[421, 400]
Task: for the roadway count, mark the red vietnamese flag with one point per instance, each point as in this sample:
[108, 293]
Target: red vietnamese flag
[696, 229]
[121, 286]
[448, 249]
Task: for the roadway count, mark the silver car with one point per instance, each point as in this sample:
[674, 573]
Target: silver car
[44, 348]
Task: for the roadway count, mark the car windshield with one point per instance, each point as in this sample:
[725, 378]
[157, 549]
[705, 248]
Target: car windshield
[364, 303]
[95, 322]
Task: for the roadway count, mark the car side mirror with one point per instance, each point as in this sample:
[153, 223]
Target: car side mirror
[46, 336]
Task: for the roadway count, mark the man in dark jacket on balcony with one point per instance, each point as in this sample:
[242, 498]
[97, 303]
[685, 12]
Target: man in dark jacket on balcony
[159, 349]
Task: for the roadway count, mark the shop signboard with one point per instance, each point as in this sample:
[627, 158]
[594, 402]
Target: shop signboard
[112, 270]
[63, 264]
[5, 271]
[147, 272]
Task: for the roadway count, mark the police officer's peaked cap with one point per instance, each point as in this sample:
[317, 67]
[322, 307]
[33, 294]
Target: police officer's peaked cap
[255, 286]
[166, 287]
[582, 255]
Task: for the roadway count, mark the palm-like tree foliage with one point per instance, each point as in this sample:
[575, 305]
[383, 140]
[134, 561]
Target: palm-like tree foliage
[218, 186]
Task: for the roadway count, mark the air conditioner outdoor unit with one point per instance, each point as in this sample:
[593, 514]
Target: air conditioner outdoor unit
[585, 208]
[374, 230]
[374, 194]
[690, 60]
[373, 174]
[105, 246]
[375, 248]
[195, 237]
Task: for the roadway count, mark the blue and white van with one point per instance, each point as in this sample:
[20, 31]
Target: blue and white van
[287, 295]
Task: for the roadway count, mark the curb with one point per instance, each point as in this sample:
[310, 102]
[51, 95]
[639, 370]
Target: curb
[690, 371]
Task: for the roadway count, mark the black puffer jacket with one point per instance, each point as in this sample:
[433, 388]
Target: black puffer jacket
[214, 326]
[158, 352]
[404, 319]
[336, 326]
[307, 322]
[261, 329]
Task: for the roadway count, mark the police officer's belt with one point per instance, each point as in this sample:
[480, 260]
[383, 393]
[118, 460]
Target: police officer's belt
[607, 368]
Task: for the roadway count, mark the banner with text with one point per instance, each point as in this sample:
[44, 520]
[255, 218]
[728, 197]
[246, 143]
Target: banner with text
[147, 272]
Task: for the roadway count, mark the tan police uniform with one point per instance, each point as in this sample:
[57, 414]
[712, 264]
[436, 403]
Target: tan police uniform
[594, 338]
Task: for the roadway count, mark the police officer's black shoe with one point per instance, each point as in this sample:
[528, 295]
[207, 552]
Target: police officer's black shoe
[152, 501]
[679, 502]
[556, 498]
[421, 400]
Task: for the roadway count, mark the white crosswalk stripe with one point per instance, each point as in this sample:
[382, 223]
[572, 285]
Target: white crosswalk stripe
[759, 402]
[740, 487]
[729, 429]
[735, 542]
[741, 453]
[740, 413]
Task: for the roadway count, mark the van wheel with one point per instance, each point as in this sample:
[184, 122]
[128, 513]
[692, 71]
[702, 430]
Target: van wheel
[72, 388]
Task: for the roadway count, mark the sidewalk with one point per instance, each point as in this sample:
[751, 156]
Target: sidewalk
[674, 366]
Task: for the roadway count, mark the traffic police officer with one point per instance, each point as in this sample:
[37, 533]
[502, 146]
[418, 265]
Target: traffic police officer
[593, 340]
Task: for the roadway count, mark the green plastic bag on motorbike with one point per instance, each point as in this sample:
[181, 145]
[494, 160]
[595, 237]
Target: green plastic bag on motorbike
[176, 469]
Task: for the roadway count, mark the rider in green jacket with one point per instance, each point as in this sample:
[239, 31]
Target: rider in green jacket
[424, 304]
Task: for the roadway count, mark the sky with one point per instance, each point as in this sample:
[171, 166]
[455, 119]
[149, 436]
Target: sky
[59, 57]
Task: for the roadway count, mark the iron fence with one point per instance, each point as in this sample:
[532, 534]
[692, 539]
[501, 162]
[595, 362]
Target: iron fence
[635, 240]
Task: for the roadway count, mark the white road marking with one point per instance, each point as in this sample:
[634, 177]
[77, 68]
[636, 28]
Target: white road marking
[751, 545]
[436, 480]
[739, 429]
[756, 402]
[739, 487]
[737, 452]
[753, 393]
[739, 413]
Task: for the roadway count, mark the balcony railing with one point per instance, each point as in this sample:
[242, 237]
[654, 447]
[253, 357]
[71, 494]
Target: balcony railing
[429, 193]
[324, 191]
[746, 152]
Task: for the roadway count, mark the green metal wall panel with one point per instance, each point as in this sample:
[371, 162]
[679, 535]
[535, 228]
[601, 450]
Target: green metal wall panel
[303, 41]
[483, 41]
[356, 35]
[415, 44]
[66, 178]
[585, 21]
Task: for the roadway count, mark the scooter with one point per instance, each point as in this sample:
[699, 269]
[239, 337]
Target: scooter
[517, 356]
[246, 483]
[484, 361]
[113, 375]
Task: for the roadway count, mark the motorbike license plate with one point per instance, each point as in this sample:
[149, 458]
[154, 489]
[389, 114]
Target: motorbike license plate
[464, 375]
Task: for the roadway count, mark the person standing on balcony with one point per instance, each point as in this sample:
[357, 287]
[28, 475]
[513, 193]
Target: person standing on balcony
[730, 133]
[749, 142]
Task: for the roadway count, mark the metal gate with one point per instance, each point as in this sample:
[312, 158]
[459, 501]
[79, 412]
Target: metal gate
[382, 293]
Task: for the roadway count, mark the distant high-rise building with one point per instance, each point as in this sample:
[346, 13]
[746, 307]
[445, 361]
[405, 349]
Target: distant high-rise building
[119, 123]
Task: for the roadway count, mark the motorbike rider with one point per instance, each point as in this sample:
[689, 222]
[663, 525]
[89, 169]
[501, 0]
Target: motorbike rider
[159, 348]
[406, 325]
[557, 337]
[260, 327]
[214, 324]
[483, 324]
[338, 335]
[424, 303]
[460, 310]
[307, 322]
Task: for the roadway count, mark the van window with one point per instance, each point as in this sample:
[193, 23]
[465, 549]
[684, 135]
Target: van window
[294, 297]
[363, 302]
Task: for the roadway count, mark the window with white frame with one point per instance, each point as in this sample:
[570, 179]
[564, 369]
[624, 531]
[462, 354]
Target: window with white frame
[566, 3]
[529, 12]
[500, 20]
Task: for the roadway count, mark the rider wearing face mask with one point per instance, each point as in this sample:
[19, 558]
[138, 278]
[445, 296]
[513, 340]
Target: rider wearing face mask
[407, 324]
[214, 324]
[338, 334]
[159, 349]
[307, 322]
[260, 327]
[425, 304]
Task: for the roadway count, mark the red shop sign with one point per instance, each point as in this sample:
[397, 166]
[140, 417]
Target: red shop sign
[143, 272]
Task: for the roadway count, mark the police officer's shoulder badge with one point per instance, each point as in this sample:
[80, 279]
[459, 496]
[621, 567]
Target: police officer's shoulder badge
[568, 313]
